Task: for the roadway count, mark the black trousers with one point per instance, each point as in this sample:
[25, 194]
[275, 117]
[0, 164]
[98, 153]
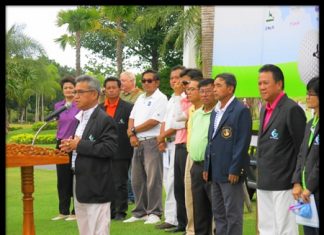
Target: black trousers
[120, 203]
[201, 197]
[65, 186]
[179, 190]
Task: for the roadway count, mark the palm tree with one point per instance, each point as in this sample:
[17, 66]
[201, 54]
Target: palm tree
[207, 39]
[20, 49]
[112, 22]
[45, 85]
[78, 22]
[20, 45]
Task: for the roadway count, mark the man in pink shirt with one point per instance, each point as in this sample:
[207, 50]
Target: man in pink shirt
[282, 124]
[182, 179]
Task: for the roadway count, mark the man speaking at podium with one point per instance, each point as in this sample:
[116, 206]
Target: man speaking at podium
[94, 145]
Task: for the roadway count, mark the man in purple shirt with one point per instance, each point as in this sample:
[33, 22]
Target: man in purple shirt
[65, 128]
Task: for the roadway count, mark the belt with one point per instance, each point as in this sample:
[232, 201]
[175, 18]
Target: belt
[146, 138]
[170, 139]
[182, 144]
[199, 162]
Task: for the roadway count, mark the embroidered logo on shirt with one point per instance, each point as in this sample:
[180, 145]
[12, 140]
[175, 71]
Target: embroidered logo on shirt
[91, 138]
[121, 121]
[149, 103]
[274, 134]
[226, 132]
[317, 140]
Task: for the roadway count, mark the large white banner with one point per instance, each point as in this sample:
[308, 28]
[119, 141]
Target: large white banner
[247, 37]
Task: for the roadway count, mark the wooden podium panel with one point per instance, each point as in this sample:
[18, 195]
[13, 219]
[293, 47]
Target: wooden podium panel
[19, 161]
[26, 157]
[18, 155]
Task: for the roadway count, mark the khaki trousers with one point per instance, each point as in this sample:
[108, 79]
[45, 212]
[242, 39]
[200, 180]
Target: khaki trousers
[190, 229]
[92, 218]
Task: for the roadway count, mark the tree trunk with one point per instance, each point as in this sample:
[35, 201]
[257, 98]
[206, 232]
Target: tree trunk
[42, 96]
[26, 113]
[22, 114]
[78, 53]
[207, 30]
[119, 51]
[37, 108]
[155, 59]
[7, 120]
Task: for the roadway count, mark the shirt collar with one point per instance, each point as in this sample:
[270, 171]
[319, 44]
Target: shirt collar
[155, 94]
[218, 105]
[270, 107]
[85, 113]
[107, 103]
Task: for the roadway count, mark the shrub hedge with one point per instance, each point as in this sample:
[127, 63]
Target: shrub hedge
[49, 126]
[14, 128]
[28, 139]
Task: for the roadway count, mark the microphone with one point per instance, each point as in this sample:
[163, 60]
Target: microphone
[58, 112]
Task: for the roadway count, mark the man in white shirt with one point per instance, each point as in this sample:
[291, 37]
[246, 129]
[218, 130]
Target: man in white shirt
[166, 141]
[94, 145]
[147, 167]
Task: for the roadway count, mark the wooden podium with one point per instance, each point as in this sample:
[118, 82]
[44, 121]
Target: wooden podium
[26, 157]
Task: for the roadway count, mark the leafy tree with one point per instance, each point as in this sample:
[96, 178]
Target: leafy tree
[20, 74]
[20, 51]
[144, 44]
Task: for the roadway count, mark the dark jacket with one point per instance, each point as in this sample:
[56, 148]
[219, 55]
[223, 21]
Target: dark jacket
[278, 145]
[227, 151]
[93, 165]
[123, 110]
[309, 158]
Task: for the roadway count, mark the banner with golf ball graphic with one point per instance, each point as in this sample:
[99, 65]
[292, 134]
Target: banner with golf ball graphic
[247, 37]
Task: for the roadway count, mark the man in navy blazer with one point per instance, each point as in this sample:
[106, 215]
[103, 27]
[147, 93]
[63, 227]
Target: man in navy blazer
[120, 111]
[281, 131]
[94, 145]
[226, 157]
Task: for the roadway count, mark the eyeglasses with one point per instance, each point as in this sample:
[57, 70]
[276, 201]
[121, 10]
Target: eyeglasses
[78, 92]
[190, 89]
[311, 94]
[207, 92]
[147, 80]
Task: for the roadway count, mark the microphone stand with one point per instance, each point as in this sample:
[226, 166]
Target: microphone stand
[45, 124]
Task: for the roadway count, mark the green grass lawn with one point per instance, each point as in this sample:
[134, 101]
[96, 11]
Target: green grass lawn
[46, 207]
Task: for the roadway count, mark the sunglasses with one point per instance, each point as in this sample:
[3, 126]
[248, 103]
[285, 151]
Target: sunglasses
[147, 80]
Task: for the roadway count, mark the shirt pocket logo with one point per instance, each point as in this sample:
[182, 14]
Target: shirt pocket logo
[274, 134]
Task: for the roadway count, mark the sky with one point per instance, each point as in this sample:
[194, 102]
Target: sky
[41, 26]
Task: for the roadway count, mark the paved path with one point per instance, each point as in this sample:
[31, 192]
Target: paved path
[46, 167]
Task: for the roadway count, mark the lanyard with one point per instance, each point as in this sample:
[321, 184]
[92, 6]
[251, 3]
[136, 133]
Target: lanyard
[312, 130]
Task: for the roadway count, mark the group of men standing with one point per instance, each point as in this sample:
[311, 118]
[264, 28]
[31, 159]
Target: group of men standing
[195, 144]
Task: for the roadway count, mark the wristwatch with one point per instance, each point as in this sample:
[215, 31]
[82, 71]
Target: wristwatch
[133, 130]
